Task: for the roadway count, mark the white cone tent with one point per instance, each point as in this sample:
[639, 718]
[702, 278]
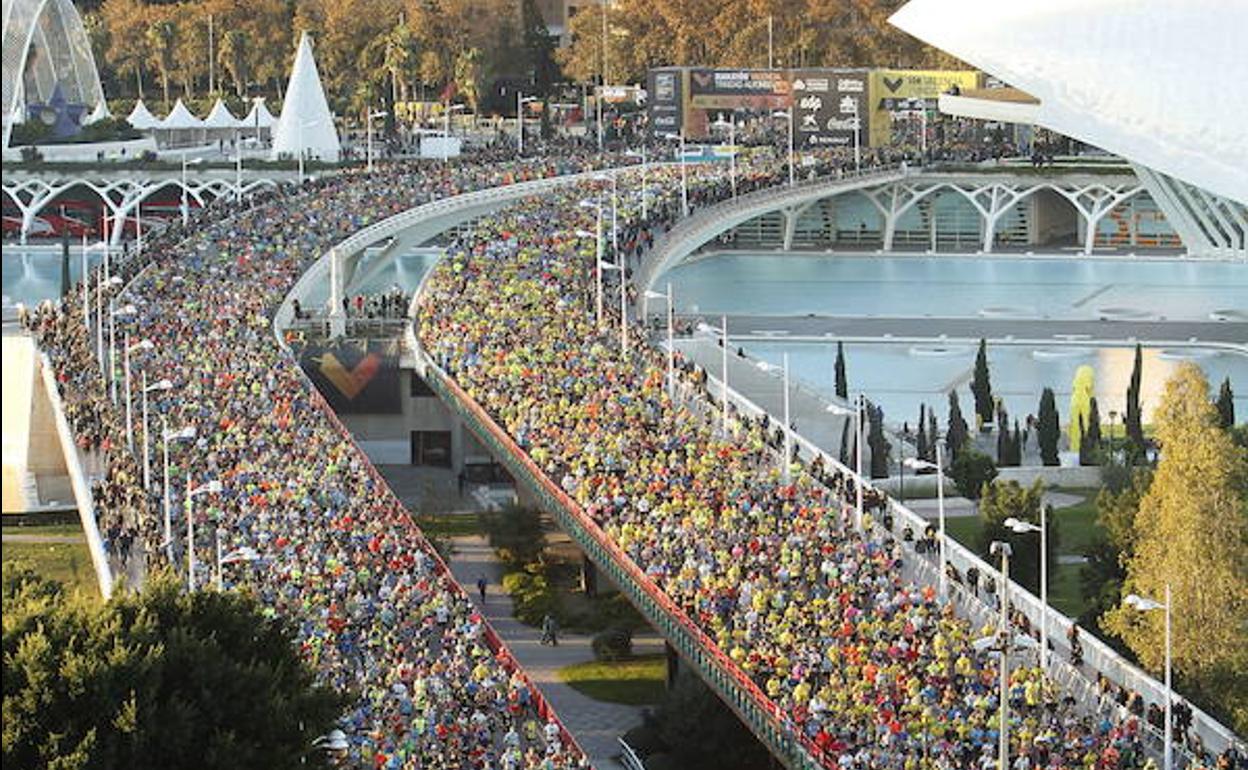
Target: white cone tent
[306, 123]
[259, 117]
[220, 117]
[142, 118]
[99, 113]
[181, 127]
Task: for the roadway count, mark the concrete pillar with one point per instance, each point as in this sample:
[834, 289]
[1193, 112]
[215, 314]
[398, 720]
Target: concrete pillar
[337, 291]
[589, 576]
[673, 664]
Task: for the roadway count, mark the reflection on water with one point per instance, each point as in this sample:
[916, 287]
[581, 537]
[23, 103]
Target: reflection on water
[892, 375]
[32, 275]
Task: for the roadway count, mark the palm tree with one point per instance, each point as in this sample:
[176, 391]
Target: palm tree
[162, 36]
[400, 59]
[468, 75]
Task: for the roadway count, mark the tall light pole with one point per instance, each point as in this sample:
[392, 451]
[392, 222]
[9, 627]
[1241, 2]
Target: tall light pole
[166, 436]
[208, 487]
[856, 412]
[520, 102]
[770, 37]
[125, 312]
[238, 165]
[159, 385]
[1003, 756]
[1144, 604]
[920, 464]
[1018, 525]
[857, 140]
[788, 115]
[244, 553]
[671, 337]
[724, 366]
[144, 344]
[186, 201]
[731, 125]
[684, 177]
[602, 92]
[369, 131]
[644, 192]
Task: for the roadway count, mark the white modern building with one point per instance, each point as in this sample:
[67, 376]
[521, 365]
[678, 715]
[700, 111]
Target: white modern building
[1159, 83]
[46, 46]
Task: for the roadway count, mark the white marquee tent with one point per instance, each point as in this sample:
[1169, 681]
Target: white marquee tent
[306, 124]
[142, 118]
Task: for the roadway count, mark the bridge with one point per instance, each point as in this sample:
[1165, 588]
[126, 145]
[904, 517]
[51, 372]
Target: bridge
[1039, 203]
[122, 192]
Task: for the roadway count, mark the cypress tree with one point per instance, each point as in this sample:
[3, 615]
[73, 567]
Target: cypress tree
[1049, 430]
[1132, 419]
[845, 442]
[920, 444]
[1226, 405]
[981, 384]
[842, 384]
[957, 435]
[878, 445]
[1018, 444]
[1004, 441]
[933, 435]
[1092, 430]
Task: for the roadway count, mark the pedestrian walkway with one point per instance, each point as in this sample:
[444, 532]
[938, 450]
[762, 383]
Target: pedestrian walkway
[596, 725]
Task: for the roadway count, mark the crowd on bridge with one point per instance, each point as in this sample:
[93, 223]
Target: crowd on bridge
[871, 670]
[371, 605]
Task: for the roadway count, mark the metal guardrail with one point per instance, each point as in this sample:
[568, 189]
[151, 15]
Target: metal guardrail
[629, 758]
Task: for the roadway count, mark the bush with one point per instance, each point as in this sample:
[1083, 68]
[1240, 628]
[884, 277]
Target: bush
[531, 596]
[616, 643]
[515, 534]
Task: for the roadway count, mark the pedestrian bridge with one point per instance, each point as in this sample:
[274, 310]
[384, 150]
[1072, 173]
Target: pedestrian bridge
[695, 648]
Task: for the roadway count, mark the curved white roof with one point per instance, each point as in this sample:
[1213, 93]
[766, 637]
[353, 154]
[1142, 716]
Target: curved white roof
[180, 118]
[142, 118]
[1159, 82]
[306, 122]
[45, 45]
[220, 117]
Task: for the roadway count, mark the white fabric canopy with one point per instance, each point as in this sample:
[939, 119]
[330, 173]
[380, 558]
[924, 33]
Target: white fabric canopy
[180, 118]
[142, 118]
[99, 113]
[221, 117]
[306, 124]
[259, 117]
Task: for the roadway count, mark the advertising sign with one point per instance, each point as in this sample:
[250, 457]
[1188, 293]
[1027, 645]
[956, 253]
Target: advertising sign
[829, 106]
[712, 89]
[666, 107]
[894, 91]
[356, 376]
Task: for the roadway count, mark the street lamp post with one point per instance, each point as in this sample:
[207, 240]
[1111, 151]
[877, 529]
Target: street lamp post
[1018, 525]
[243, 553]
[857, 140]
[208, 487]
[788, 431]
[671, 338]
[520, 102]
[186, 201]
[144, 344]
[1144, 604]
[125, 311]
[1003, 757]
[856, 411]
[731, 125]
[788, 115]
[184, 433]
[369, 131]
[160, 385]
[919, 464]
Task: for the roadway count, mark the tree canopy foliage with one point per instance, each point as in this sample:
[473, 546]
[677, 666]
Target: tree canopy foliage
[149, 680]
[1191, 533]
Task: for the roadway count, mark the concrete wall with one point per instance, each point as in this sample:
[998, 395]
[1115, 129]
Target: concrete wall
[1053, 219]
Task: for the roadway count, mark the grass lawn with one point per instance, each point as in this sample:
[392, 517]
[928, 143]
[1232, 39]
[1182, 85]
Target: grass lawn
[59, 530]
[448, 524]
[1078, 528]
[637, 681]
[70, 563]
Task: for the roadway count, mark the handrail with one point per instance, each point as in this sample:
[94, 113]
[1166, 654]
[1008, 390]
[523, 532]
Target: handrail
[756, 709]
[78, 480]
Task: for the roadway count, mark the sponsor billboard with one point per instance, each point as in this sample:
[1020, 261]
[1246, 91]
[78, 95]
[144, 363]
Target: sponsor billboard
[895, 90]
[665, 94]
[829, 104]
[355, 376]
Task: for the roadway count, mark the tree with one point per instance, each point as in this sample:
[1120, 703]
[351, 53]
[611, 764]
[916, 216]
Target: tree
[920, 443]
[691, 728]
[933, 435]
[1080, 402]
[1009, 445]
[879, 446]
[539, 48]
[1191, 533]
[1226, 405]
[234, 57]
[1009, 499]
[1133, 419]
[956, 435]
[469, 76]
[147, 680]
[1090, 445]
[162, 40]
[1048, 432]
[981, 385]
[971, 471]
[842, 384]
[844, 445]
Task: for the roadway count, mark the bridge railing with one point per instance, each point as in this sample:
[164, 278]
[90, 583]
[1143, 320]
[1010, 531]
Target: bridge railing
[719, 671]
